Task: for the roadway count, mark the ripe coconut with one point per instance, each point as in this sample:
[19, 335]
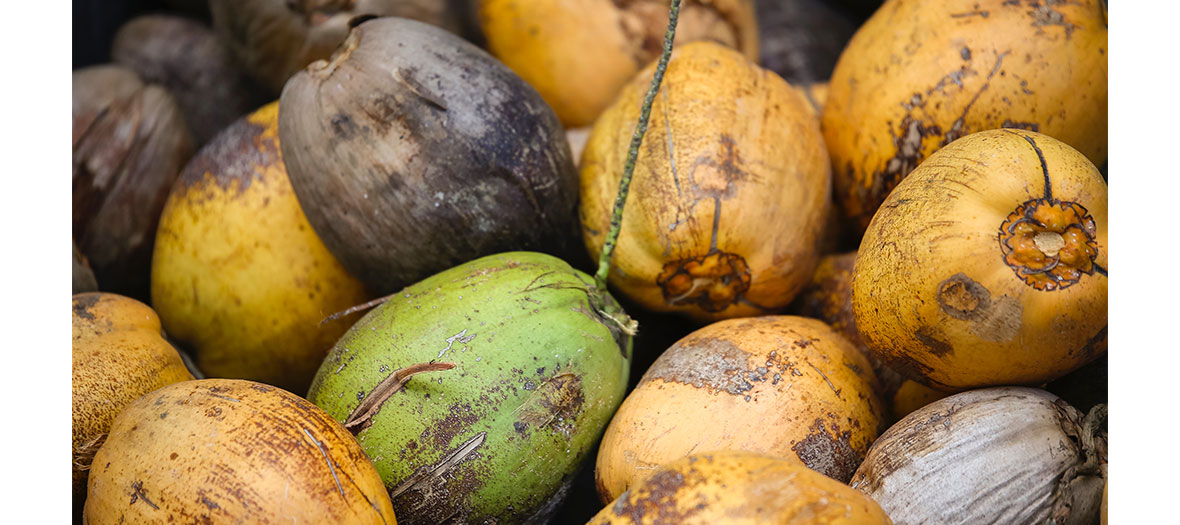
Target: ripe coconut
[730, 194]
[238, 274]
[231, 451]
[412, 151]
[780, 385]
[185, 56]
[995, 455]
[740, 487]
[921, 73]
[987, 266]
[274, 39]
[579, 54]
[523, 365]
[120, 354]
[129, 141]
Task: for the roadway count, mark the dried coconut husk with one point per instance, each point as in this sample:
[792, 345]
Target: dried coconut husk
[413, 151]
[995, 455]
[129, 143]
[186, 57]
[274, 39]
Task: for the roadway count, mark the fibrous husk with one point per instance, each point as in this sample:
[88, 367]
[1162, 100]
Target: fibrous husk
[274, 39]
[413, 151]
[996, 455]
[129, 143]
[186, 57]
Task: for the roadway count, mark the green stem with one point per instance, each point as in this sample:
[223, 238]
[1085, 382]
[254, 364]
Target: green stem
[616, 220]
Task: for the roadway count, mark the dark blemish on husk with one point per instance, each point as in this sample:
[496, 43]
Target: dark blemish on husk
[83, 304]
[138, 493]
[936, 346]
[343, 126]
[832, 456]
[655, 499]
[232, 158]
[1029, 126]
[556, 404]
[963, 298]
[435, 493]
[713, 281]
[714, 364]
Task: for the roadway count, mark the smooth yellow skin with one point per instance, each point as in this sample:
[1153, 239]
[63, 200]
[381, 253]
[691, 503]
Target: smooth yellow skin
[745, 144]
[734, 487]
[944, 220]
[794, 367]
[232, 451]
[1019, 66]
[240, 275]
[119, 354]
[578, 54]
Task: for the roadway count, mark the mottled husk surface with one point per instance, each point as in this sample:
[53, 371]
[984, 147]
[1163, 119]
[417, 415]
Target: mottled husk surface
[129, 143]
[119, 354]
[413, 151]
[185, 56]
[232, 451]
[934, 293]
[785, 386]
[731, 188]
[537, 372]
[736, 487]
[920, 74]
[996, 455]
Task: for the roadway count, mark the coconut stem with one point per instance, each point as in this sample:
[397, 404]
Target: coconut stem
[616, 220]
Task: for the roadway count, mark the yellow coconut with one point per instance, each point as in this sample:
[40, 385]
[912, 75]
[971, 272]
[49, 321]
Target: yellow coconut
[578, 54]
[922, 73]
[120, 354]
[734, 487]
[987, 265]
[232, 451]
[785, 386]
[238, 273]
[730, 190]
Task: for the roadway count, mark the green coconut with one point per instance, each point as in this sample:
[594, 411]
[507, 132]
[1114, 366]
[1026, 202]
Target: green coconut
[517, 364]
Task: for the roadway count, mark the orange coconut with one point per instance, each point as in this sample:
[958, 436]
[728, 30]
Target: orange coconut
[987, 265]
[781, 385]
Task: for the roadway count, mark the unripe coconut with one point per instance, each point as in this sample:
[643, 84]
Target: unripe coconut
[730, 191]
[579, 54]
[120, 354]
[238, 274]
[996, 455]
[740, 487]
[274, 39]
[526, 365]
[232, 451]
[413, 151]
[987, 266]
[185, 56]
[130, 141]
[921, 73]
[780, 385]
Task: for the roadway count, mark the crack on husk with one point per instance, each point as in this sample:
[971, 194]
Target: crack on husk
[362, 416]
